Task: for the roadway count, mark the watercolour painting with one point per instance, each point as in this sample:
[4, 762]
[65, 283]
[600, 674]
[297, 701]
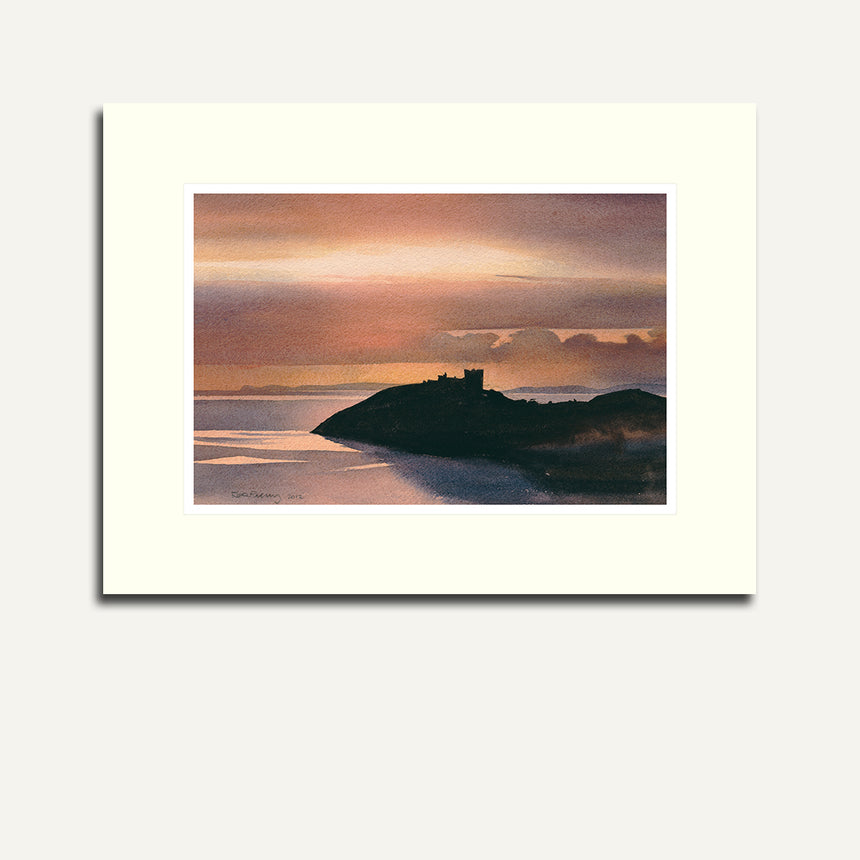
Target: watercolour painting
[404, 347]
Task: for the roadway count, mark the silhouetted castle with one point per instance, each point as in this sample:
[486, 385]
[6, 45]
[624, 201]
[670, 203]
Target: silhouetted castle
[472, 381]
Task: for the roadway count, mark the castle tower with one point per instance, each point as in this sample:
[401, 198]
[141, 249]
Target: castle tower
[473, 380]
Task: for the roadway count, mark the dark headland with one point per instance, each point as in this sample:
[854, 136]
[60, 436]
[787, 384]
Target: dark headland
[614, 442]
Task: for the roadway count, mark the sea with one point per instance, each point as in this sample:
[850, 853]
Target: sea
[258, 450]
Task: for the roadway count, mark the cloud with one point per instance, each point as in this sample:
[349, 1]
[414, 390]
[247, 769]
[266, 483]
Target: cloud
[539, 355]
[530, 345]
[369, 279]
[292, 325]
[635, 360]
[470, 347]
[306, 237]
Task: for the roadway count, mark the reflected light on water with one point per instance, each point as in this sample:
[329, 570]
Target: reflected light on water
[244, 461]
[268, 440]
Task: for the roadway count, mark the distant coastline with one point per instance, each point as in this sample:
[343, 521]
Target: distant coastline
[651, 387]
[252, 390]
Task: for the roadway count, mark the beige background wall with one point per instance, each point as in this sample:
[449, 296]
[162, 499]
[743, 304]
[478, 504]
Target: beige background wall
[598, 729]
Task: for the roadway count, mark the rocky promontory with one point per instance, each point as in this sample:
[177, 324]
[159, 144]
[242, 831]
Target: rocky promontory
[454, 416]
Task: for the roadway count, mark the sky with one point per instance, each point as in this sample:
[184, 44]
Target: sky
[538, 289]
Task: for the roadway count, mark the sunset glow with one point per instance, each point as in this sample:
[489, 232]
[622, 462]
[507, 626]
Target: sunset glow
[539, 289]
[371, 262]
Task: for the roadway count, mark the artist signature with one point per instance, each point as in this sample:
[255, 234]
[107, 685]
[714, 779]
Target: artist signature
[272, 498]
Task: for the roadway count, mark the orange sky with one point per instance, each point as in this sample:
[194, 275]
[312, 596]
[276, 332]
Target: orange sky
[303, 288]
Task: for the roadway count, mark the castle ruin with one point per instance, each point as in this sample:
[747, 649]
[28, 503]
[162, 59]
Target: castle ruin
[472, 381]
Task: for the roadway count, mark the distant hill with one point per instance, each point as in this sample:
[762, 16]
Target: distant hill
[651, 387]
[298, 389]
[246, 390]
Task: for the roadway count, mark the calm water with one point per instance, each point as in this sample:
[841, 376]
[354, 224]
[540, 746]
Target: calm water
[260, 450]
